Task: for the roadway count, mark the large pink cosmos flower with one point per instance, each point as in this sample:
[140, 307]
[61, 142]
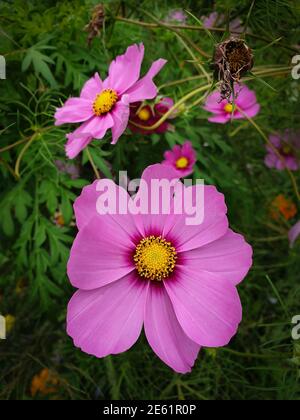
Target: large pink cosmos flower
[179, 281]
[224, 111]
[181, 158]
[104, 105]
[288, 145]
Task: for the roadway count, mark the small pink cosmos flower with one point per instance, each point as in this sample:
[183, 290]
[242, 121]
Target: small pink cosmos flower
[224, 111]
[181, 158]
[294, 234]
[147, 115]
[153, 270]
[177, 15]
[104, 105]
[216, 19]
[288, 145]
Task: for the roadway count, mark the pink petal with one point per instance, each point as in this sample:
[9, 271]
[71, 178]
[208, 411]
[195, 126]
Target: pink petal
[101, 253]
[96, 127]
[207, 307]
[85, 206]
[107, 320]
[77, 142]
[229, 257]
[125, 70]
[154, 221]
[214, 226]
[246, 97]
[120, 116]
[165, 334]
[92, 87]
[275, 140]
[213, 102]
[73, 111]
[271, 160]
[145, 87]
[292, 163]
[294, 234]
[250, 112]
[221, 118]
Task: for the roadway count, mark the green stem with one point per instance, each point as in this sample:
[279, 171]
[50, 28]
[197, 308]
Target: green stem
[97, 174]
[175, 107]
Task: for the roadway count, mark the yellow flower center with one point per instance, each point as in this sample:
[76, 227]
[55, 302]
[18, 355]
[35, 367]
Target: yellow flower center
[144, 114]
[104, 102]
[182, 163]
[287, 150]
[155, 258]
[229, 108]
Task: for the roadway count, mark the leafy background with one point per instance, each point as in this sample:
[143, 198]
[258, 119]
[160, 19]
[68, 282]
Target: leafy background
[48, 60]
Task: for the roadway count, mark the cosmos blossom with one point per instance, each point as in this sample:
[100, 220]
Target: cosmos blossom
[216, 19]
[288, 145]
[155, 271]
[181, 158]
[144, 114]
[224, 111]
[177, 15]
[105, 105]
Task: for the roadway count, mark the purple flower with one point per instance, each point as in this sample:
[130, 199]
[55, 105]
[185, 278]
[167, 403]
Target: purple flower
[288, 146]
[68, 169]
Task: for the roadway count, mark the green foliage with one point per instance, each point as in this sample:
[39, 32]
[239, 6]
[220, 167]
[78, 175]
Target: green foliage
[48, 60]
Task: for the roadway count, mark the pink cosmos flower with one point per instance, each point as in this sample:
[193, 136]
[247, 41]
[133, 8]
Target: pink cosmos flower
[215, 19]
[147, 115]
[104, 105]
[181, 158]
[288, 145]
[154, 270]
[225, 111]
[294, 234]
[177, 15]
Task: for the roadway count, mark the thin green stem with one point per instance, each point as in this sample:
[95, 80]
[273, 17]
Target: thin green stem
[175, 107]
[97, 174]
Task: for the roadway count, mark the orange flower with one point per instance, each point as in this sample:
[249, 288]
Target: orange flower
[44, 383]
[283, 207]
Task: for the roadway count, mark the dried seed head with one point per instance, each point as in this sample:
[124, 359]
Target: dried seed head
[232, 59]
[96, 23]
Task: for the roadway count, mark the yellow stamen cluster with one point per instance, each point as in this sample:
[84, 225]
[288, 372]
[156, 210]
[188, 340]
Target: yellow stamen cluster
[104, 102]
[155, 258]
[144, 114]
[287, 149]
[229, 108]
[182, 163]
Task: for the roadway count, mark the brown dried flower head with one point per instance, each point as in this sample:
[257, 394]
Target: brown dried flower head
[96, 23]
[232, 59]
